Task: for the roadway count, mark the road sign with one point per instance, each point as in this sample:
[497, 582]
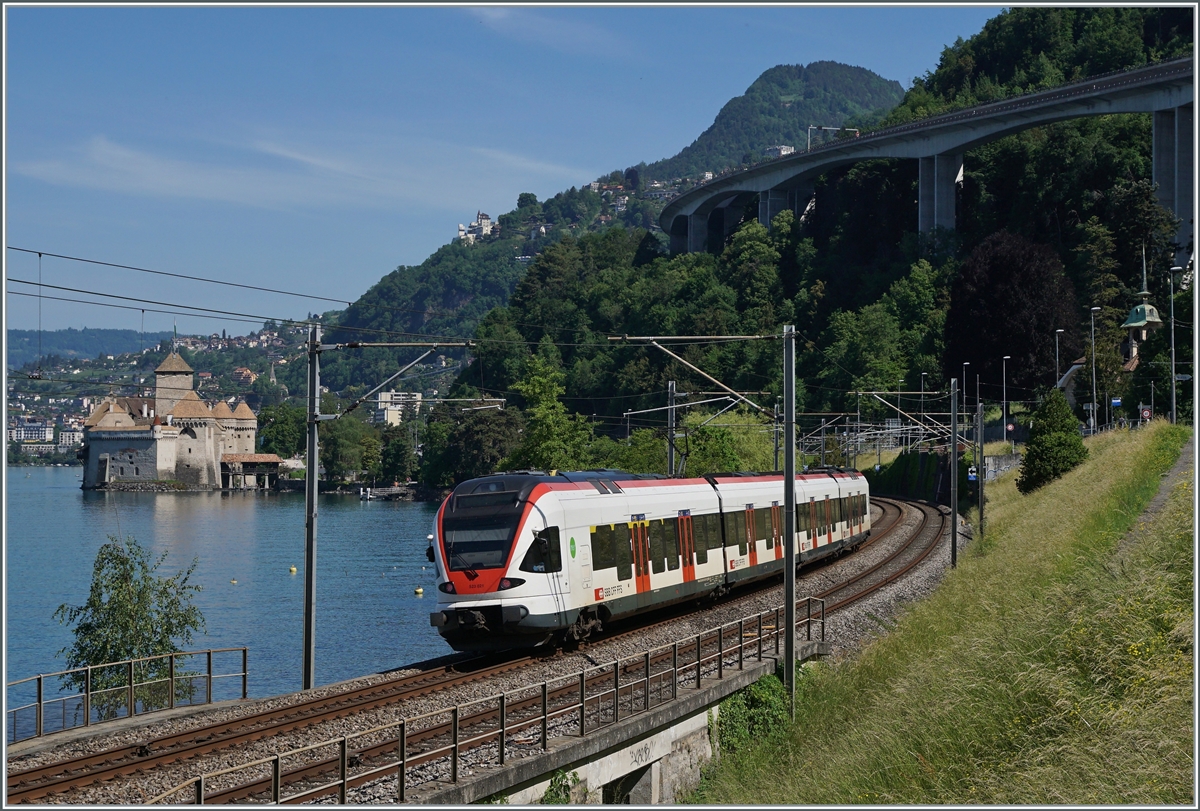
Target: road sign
[1011, 426]
[1182, 378]
[1116, 401]
[1147, 414]
[971, 473]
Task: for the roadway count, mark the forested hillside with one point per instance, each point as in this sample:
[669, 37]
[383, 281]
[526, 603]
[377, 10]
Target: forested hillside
[448, 293]
[777, 109]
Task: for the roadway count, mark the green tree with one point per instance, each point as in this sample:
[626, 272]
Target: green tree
[398, 459]
[1055, 445]
[281, 430]
[131, 612]
[342, 444]
[553, 439]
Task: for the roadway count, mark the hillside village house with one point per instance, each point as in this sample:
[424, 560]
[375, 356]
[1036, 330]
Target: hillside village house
[174, 436]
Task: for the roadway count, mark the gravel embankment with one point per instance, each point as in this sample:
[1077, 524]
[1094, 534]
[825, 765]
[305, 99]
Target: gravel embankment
[847, 630]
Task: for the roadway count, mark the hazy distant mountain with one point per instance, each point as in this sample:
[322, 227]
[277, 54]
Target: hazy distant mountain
[76, 343]
[777, 109]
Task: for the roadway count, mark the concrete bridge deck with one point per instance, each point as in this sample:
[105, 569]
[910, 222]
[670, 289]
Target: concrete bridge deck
[708, 213]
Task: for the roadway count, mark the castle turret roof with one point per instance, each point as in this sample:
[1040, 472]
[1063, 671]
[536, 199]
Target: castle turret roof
[221, 411]
[243, 412]
[190, 406]
[173, 363]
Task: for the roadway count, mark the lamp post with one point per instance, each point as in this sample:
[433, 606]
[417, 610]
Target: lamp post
[1093, 420]
[1057, 373]
[1004, 395]
[1171, 277]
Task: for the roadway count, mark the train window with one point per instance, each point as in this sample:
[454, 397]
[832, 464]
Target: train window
[658, 531]
[762, 526]
[801, 517]
[708, 535]
[735, 530]
[604, 551]
[623, 541]
[545, 553]
[479, 543]
[671, 545]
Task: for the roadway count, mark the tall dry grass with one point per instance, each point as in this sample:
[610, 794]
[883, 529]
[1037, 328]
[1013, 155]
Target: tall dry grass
[1047, 668]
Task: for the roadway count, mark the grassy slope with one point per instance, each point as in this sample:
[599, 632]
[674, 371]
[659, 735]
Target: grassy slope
[1046, 669]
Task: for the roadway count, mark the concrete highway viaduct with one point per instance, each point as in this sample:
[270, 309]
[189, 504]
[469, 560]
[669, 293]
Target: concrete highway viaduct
[702, 218]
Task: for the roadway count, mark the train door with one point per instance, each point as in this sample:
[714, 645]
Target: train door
[585, 566]
[777, 529]
[828, 525]
[687, 544]
[750, 533]
[814, 529]
[546, 555]
[639, 532]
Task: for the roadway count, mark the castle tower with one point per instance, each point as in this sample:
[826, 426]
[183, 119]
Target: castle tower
[247, 431]
[224, 417]
[172, 380]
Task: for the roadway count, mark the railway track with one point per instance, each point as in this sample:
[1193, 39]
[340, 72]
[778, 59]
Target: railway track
[43, 781]
[426, 745]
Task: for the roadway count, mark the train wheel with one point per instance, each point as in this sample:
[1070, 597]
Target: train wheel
[584, 626]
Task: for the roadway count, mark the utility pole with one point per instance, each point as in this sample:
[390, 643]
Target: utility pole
[310, 509]
[789, 515]
[822, 442]
[953, 474]
[857, 425]
[671, 428]
[1095, 416]
[981, 471]
[312, 475]
[1171, 276]
[775, 422]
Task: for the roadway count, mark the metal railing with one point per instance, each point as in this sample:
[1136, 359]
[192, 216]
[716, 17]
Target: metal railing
[84, 696]
[518, 721]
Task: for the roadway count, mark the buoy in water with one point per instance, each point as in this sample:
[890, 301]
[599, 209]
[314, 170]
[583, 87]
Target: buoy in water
[292, 570]
[418, 590]
[234, 582]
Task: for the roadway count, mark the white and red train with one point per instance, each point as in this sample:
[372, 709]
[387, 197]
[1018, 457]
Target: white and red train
[530, 558]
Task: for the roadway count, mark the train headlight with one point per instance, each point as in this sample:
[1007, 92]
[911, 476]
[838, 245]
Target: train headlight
[446, 588]
[509, 583]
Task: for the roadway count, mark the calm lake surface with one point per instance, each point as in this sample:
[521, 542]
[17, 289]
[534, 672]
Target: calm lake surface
[370, 558]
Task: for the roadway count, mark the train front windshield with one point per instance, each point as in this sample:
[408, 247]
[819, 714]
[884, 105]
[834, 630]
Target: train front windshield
[478, 543]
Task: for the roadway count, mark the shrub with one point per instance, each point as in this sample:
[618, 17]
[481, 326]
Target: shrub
[559, 790]
[1055, 445]
[757, 712]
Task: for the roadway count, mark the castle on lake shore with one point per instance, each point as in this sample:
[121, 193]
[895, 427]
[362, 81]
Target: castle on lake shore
[174, 436]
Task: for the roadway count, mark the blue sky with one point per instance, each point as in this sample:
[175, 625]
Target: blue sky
[315, 149]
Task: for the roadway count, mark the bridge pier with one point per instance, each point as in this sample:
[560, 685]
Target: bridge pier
[1173, 169]
[937, 191]
[770, 203]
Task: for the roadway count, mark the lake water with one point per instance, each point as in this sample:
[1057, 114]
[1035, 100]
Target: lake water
[370, 558]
